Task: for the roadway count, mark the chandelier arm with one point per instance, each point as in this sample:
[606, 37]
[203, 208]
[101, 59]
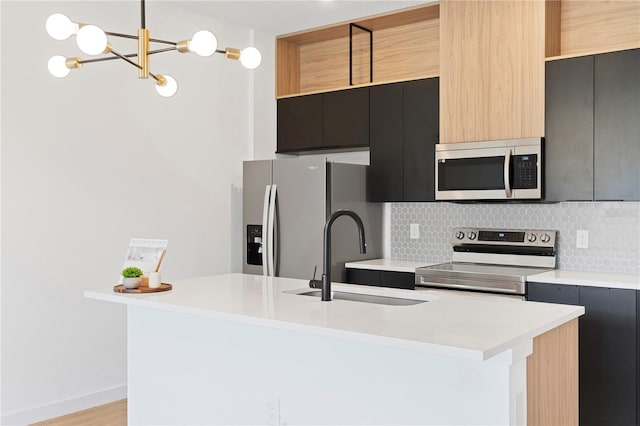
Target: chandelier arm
[107, 58]
[135, 37]
[124, 58]
[128, 55]
[166, 49]
[155, 40]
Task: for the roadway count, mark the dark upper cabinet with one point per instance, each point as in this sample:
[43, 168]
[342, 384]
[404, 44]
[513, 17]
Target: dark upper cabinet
[617, 126]
[592, 130]
[346, 118]
[300, 122]
[609, 358]
[421, 134]
[385, 173]
[404, 131]
[324, 120]
[569, 129]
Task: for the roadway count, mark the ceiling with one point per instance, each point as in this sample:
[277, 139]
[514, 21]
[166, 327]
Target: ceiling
[282, 17]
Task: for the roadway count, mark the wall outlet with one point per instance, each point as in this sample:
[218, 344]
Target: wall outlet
[273, 412]
[414, 231]
[582, 239]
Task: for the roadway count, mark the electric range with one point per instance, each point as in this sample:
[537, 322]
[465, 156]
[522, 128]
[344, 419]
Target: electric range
[493, 261]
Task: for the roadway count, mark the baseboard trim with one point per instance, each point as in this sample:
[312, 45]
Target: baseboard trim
[61, 408]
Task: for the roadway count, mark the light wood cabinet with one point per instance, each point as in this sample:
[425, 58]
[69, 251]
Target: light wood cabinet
[491, 70]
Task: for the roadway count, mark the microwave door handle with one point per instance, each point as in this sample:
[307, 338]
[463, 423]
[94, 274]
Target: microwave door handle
[507, 168]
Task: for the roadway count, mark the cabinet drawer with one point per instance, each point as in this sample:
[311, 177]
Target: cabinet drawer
[363, 276]
[404, 280]
[553, 293]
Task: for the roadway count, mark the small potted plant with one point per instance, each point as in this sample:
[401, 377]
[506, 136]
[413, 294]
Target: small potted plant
[131, 277]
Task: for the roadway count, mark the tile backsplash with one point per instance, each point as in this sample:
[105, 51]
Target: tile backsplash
[614, 230]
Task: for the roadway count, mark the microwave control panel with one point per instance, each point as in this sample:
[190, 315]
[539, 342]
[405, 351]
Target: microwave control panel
[525, 171]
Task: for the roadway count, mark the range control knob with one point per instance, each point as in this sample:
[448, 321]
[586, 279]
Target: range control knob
[532, 238]
[545, 238]
[459, 235]
[471, 235]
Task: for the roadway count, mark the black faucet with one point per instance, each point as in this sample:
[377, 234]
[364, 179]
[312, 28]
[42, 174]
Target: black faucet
[326, 256]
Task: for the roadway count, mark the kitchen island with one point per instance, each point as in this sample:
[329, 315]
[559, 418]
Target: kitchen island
[246, 349]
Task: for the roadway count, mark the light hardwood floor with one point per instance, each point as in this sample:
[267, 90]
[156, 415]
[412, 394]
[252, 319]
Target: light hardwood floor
[112, 414]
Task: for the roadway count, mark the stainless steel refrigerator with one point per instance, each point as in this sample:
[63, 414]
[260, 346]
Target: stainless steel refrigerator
[286, 203]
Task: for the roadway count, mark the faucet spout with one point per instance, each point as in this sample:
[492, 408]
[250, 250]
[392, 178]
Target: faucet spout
[326, 265]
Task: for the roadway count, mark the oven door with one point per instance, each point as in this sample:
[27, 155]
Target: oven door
[488, 173]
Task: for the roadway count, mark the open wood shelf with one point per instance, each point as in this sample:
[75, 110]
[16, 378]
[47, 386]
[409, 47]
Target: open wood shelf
[583, 27]
[406, 46]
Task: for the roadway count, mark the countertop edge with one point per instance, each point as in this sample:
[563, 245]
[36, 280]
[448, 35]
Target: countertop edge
[588, 279]
[391, 265]
[579, 311]
[556, 276]
[137, 301]
[477, 355]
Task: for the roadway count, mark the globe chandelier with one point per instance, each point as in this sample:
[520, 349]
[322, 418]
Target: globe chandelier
[94, 41]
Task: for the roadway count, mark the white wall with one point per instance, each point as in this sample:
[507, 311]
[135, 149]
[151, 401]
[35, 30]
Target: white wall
[91, 160]
[264, 131]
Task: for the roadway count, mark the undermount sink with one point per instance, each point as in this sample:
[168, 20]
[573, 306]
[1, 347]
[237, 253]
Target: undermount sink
[366, 298]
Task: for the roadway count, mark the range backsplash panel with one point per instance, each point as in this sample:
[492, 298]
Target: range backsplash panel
[614, 230]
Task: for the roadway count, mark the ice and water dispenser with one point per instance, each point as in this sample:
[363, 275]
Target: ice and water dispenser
[254, 244]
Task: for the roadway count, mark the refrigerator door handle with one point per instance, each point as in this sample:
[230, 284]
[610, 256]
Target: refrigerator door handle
[265, 219]
[271, 229]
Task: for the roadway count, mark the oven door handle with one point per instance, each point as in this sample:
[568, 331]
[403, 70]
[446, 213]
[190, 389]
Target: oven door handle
[507, 169]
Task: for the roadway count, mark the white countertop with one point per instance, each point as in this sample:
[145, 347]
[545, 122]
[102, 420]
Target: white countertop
[451, 325]
[557, 276]
[396, 265]
[592, 279]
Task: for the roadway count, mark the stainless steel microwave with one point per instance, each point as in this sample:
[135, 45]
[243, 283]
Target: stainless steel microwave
[494, 170]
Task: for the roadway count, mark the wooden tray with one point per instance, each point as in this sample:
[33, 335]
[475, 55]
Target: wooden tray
[121, 289]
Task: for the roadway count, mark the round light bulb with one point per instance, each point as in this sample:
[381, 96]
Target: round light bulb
[250, 58]
[58, 67]
[169, 88]
[92, 40]
[203, 43]
[60, 27]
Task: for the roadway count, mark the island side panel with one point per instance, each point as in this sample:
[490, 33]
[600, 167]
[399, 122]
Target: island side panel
[191, 369]
[552, 377]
